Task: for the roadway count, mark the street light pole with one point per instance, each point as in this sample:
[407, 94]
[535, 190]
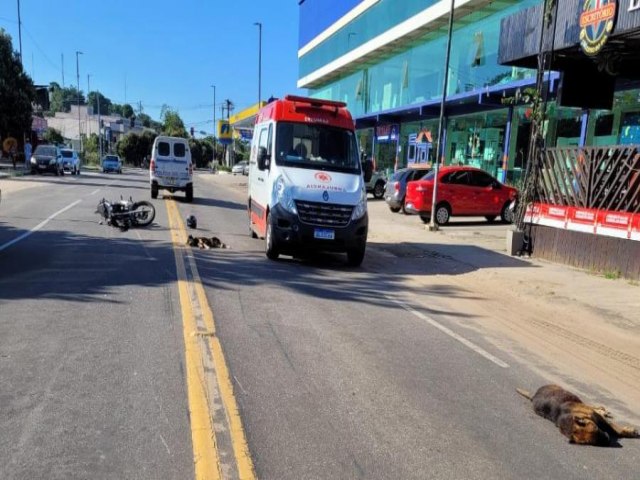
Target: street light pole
[20, 31]
[259, 25]
[433, 226]
[78, 84]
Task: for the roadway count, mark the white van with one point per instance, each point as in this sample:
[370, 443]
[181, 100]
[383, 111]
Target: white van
[306, 185]
[170, 167]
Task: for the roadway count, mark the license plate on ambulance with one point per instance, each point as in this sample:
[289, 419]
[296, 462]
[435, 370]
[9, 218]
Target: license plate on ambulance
[324, 234]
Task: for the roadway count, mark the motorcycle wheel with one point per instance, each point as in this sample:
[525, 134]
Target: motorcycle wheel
[143, 213]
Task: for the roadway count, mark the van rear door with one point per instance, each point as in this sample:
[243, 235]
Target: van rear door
[173, 162]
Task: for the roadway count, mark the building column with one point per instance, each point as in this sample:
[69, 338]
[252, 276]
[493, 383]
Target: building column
[507, 146]
[443, 144]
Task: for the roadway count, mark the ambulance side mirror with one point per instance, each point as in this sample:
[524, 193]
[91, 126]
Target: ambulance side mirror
[263, 158]
[367, 170]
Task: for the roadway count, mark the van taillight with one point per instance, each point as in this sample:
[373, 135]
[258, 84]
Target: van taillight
[396, 186]
[152, 165]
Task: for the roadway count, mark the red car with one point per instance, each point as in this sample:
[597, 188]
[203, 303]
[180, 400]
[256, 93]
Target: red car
[462, 191]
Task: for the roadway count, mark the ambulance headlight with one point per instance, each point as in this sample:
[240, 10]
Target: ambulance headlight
[361, 208]
[282, 194]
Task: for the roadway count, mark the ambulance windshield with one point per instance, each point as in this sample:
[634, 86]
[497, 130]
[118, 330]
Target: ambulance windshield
[319, 147]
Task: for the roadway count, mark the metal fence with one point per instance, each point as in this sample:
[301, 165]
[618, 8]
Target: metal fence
[606, 178]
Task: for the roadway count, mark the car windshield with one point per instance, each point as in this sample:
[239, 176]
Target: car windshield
[49, 151]
[67, 153]
[318, 147]
[428, 176]
[110, 159]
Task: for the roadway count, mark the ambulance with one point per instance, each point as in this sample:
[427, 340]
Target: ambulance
[307, 186]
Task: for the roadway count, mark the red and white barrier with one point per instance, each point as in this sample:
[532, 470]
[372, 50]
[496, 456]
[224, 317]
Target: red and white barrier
[586, 220]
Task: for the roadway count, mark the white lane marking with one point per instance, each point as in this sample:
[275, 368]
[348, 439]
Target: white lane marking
[39, 226]
[95, 191]
[452, 334]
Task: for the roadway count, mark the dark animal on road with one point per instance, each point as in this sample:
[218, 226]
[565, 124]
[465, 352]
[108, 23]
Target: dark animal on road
[580, 423]
[206, 243]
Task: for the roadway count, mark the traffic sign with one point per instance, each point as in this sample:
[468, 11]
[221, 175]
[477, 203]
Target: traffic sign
[224, 132]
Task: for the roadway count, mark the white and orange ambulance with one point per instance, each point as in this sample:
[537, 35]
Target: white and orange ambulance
[306, 184]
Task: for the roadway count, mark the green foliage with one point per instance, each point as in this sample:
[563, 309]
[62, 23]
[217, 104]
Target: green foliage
[116, 109]
[127, 111]
[132, 148]
[91, 150]
[51, 135]
[105, 104]
[172, 124]
[63, 98]
[16, 92]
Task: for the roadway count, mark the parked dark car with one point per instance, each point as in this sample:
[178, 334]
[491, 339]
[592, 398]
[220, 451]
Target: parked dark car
[396, 188]
[47, 158]
[462, 192]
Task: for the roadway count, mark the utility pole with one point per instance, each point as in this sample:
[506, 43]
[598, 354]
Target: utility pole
[99, 129]
[433, 225]
[215, 126]
[78, 83]
[88, 91]
[62, 65]
[20, 31]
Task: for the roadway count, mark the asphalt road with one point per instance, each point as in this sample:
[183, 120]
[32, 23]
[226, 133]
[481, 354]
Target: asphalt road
[338, 373]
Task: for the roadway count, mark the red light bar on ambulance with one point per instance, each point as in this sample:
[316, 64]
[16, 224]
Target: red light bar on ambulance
[315, 102]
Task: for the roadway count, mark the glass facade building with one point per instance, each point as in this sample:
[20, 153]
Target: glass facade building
[386, 58]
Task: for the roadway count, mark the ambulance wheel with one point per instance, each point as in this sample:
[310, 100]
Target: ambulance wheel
[271, 248]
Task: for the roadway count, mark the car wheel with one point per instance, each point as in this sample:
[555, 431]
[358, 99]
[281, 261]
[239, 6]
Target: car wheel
[378, 190]
[490, 218]
[271, 248]
[426, 218]
[443, 213]
[507, 215]
[189, 193]
[394, 209]
[154, 190]
[355, 256]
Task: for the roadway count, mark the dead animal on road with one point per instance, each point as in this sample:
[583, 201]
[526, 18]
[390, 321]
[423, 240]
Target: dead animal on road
[580, 423]
[206, 243]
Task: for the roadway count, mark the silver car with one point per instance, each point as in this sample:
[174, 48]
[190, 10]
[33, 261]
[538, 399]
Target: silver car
[240, 168]
[396, 187]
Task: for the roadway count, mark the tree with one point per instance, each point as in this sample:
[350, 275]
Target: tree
[116, 109]
[127, 111]
[105, 104]
[133, 147]
[63, 98]
[17, 92]
[172, 124]
[51, 135]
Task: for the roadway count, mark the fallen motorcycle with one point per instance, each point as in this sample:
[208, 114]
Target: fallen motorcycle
[125, 214]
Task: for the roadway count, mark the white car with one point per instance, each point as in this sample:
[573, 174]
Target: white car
[70, 161]
[241, 168]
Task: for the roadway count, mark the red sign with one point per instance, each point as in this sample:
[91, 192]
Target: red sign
[553, 215]
[613, 224]
[582, 220]
[635, 227]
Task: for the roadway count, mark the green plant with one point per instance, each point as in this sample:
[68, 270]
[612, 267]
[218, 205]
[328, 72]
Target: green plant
[612, 274]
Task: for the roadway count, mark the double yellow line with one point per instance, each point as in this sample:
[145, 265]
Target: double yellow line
[200, 338]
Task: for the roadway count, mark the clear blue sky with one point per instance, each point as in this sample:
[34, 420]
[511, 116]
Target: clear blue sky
[165, 52]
